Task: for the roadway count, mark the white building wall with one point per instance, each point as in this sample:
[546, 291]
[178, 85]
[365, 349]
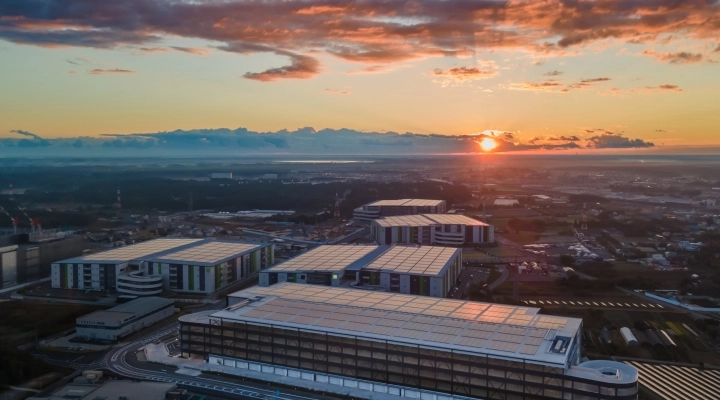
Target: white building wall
[436, 287]
[264, 279]
[405, 284]
[210, 279]
[55, 275]
[385, 280]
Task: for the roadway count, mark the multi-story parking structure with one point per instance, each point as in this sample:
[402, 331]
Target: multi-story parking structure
[432, 229]
[401, 345]
[384, 208]
[177, 264]
[421, 270]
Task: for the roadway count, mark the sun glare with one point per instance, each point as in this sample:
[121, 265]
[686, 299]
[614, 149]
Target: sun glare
[488, 144]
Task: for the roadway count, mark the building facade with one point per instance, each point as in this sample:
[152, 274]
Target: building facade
[385, 208]
[123, 320]
[179, 265]
[432, 229]
[25, 258]
[420, 270]
[397, 344]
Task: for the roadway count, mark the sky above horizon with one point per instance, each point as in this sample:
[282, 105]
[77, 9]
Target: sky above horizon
[538, 72]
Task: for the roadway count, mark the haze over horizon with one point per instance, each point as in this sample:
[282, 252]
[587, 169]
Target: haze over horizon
[533, 75]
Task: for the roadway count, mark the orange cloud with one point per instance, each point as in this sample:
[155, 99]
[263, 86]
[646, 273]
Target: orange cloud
[465, 73]
[373, 32]
[98, 71]
[665, 86]
[340, 92]
[549, 85]
[682, 57]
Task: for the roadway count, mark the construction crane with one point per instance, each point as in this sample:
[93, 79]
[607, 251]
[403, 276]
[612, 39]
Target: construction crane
[12, 219]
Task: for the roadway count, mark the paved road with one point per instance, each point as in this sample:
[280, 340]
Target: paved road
[123, 362]
[501, 279]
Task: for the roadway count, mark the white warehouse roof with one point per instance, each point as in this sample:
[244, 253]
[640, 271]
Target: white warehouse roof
[209, 253]
[137, 251]
[416, 260]
[326, 258]
[406, 203]
[427, 220]
[407, 259]
[478, 328]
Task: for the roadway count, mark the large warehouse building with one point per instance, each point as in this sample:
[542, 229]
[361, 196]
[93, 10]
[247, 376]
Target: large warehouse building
[407, 346]
[28, 257]
[148, 268]
[421, 270]
[118, 322]
[385, 208]
[432, 229]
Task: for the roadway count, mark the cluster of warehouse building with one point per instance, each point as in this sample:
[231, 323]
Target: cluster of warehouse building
[420, 270]
[173, 264]
[374, 318]
[397, 345]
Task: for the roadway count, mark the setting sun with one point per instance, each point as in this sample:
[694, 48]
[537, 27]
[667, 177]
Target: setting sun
[488, 144]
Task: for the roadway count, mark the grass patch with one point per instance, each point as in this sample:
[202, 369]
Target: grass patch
[19, 320]
[505, 252]
[522, 238]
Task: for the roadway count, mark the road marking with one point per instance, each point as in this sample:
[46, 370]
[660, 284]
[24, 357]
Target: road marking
[604, 305]
[595, 303]
[627, 304]
[611, 304]
[557, 302]
[572, 303]
[564, 303]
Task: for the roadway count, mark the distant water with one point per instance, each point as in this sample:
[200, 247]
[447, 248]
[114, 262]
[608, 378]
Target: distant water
[324, 161]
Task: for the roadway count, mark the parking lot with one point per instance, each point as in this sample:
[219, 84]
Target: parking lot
[623, 304]
[468, 277]
[173, 346]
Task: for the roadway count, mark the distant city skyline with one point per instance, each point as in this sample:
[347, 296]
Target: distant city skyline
[533, 75]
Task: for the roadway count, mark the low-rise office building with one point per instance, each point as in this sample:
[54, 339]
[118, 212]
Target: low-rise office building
[385, 208]
[176, 264]
[123, 320]
[421, 270]
[432, 229]
[401, 345]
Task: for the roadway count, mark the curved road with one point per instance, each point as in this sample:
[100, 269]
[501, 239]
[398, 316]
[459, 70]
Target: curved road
[120, 361]
[501, 279]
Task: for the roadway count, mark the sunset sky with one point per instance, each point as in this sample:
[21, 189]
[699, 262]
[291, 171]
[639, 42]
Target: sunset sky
[545, 71]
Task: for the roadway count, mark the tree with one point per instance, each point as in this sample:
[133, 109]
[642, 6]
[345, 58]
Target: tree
[567, 260]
